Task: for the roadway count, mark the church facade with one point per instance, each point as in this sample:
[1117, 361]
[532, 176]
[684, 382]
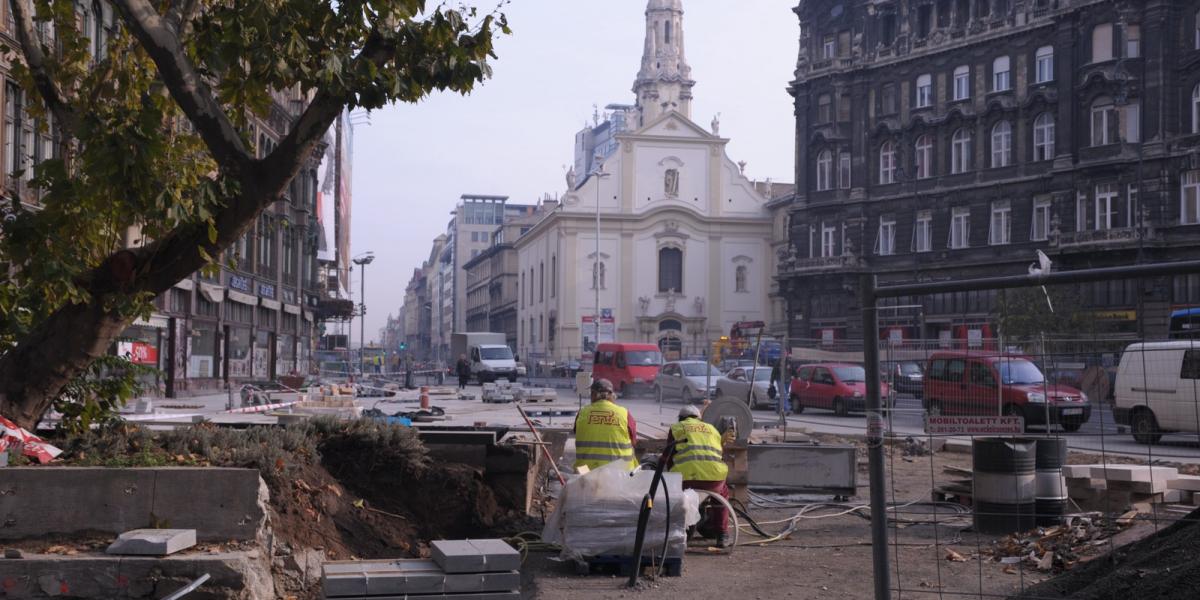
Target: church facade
[683, 249]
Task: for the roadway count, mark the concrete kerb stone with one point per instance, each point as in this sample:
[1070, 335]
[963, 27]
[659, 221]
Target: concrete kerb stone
[475, 556]
[153, 542]
[234, 576]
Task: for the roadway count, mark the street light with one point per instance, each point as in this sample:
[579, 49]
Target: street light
[598, 174]
[362, 260]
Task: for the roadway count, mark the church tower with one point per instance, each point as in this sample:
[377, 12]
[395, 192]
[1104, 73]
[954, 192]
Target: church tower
[664, 82]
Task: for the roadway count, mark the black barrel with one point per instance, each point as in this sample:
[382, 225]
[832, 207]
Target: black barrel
[1051, 500]
[1004, 485]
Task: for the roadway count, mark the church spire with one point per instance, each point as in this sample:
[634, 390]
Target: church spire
[664, 81]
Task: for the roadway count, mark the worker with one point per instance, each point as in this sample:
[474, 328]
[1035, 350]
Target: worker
[604, 430]
[700, 460]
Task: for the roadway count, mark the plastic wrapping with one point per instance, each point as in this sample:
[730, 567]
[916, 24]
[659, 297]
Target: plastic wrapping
[597, 514]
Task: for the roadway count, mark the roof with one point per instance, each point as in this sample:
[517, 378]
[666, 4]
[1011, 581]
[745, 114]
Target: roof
[1165, 345]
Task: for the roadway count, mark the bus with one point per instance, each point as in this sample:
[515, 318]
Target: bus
[1185, 324]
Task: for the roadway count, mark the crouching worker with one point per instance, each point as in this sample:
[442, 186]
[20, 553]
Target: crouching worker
[604, 430]
[698, 458]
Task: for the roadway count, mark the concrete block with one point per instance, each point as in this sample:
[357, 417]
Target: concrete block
[1190, 483]
[483, 596]
[1173, 496]
[1078, 471]
[153, 542]
[1157, 486]
[475, 556]
[1136, 473]
[100, 577]
[958, 446]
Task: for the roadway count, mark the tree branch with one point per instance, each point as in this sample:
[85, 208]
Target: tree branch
[194, 96]
[180, 14]
[56, 102]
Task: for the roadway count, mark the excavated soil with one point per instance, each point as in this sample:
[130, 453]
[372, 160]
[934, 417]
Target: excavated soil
[1162, 566]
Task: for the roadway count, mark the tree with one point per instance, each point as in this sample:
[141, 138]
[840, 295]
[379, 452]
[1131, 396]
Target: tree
[1024, 314]
[150, 122]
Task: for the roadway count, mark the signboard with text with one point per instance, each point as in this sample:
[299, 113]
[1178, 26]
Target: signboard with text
[589, 334]
[974, 425]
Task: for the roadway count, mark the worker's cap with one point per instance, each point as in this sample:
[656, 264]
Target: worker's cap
[602, 385]
[689, 411]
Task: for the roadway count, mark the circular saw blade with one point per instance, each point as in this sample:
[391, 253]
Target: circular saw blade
[729, 407]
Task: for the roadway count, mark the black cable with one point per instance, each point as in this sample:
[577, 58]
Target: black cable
[666, 529]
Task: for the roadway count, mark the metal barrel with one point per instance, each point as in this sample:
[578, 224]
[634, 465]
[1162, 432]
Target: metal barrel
[1051, 496]
[1005, 485]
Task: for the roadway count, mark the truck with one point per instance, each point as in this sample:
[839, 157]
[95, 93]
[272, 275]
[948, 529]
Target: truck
[490, 357]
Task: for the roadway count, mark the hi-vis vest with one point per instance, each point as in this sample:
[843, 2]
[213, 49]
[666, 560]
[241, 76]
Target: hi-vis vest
[602, 435]
[698, 453]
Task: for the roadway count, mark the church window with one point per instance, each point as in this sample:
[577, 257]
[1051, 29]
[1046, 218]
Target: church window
[739, 279]
[670, 270]
[667, 32]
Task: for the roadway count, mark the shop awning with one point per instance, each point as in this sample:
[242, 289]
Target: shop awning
[213, 293]
[308, 316]
[186, 284]
[269, 303]
[293, 309]
[243, 298]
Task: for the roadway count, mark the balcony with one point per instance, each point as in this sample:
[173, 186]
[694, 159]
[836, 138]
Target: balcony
[1121, 237]
[820, 264]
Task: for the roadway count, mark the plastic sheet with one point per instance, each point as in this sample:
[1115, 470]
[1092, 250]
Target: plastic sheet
[597, 514]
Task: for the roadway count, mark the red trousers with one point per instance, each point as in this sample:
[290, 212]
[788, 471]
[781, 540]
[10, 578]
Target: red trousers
[717, 518]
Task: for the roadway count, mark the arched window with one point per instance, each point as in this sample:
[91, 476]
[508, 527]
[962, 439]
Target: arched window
[924, 91]
[1043, 137]
[670, 270]
[1044, 60]
[887, 163]
[1001, 144]
[1000, 75]
[960, 152]
[739, 278]
[962, 82]
[1196, 101]
[924, 157]
[824, 171]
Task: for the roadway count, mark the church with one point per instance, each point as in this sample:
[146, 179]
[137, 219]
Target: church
[659, 237]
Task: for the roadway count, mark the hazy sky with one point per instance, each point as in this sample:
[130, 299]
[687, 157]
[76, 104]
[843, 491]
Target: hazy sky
[515, 134]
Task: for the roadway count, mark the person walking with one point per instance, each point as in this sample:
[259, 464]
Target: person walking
[604, 430]
[700, 460]
[463, 369]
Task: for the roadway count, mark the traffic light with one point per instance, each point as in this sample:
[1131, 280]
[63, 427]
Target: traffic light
[403, 346]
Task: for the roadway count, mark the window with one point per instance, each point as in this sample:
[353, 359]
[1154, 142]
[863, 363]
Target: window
[1043, 137]
[1103, 117]
[824, 170]
[923, 232]
[886, 244]
[739, 278]
[1106, 206]
[1196, 105]
[924, 91]
[1001, 144]
[924, 20]
[1131, 206]
[960, 152]
[828, 240]
[1044, 64]
[1102, 43]
[887, 28]
[844, 170]
[843, 108]
[1081, 212]
[843, 48]
[888, 99]
[1190, 198]
[598, 275]
[1040, 229]
[924, 157]
[553, 276]
[982, 8]
[266, 243]
[1000, 75]
[670, 270]
[521, 289]
[1190, 369]
[541, 282]
[1197, 41]
[825, 108]
[960, 228]
[531, 283]
[1133, 41]
[1131, 130]
[887, 163]
[962, 83]
[943, 14]
[1000, 232]
[12, 127]
[829, 47]
[962, 11]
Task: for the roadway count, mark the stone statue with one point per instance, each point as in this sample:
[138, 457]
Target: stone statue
[671, 183]
[699, 304]
[644, 304]
[716, 124]
[670, 300]
[571, 178]
[742, 167]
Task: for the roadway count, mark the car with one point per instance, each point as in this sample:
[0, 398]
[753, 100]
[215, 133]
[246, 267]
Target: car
[736, 384]
[733, 363]
[905, 376]
[630, 367]
[840, 387]
[979, 383]
[689, 380]
[1157, 387]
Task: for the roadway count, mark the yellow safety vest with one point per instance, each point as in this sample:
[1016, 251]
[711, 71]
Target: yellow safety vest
[602, 435]
[698, 455]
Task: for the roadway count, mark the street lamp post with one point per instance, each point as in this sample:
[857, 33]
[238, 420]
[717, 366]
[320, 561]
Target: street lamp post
[362, 260]
[599, 174]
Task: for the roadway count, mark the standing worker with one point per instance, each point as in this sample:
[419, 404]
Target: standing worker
[700, 460]
[463, 369]
[604, 430]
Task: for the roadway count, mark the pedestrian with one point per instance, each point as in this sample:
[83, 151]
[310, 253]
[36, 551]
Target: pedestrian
[463, 370]
[699, 458]
[604, 430]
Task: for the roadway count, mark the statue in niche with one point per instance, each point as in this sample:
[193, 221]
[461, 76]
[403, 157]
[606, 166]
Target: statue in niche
[671, 183]
[670, 300]
[699, 304]
[644, 304]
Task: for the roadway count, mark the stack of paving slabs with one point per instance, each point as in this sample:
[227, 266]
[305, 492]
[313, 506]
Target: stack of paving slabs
[1116, 488]
[459, 570]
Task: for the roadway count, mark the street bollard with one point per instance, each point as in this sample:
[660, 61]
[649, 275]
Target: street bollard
[424, 397]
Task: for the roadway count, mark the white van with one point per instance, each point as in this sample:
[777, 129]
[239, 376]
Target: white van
[1158, 389]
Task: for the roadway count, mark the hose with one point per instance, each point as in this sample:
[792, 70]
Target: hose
[729, 507]
[529, 541]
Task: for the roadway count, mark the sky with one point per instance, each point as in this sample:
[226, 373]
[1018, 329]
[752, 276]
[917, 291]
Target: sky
[514, 135]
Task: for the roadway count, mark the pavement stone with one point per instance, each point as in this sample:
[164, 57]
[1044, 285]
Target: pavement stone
[153, 542]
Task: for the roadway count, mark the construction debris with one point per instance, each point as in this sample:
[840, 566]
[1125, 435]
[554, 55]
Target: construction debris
[505, 391]
[1062, 547]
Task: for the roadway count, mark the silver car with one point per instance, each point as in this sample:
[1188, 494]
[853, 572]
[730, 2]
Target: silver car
[736, 384]
[689, 380]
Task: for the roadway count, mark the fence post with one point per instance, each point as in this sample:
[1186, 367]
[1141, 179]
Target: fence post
[879, 516]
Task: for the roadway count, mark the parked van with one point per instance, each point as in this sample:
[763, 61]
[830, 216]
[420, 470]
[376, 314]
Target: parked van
[983, 383]
[630, 367]
[1157, 389]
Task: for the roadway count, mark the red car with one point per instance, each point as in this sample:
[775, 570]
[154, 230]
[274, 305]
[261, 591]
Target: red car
[839, 387]
[630, 367]
[978, 383]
